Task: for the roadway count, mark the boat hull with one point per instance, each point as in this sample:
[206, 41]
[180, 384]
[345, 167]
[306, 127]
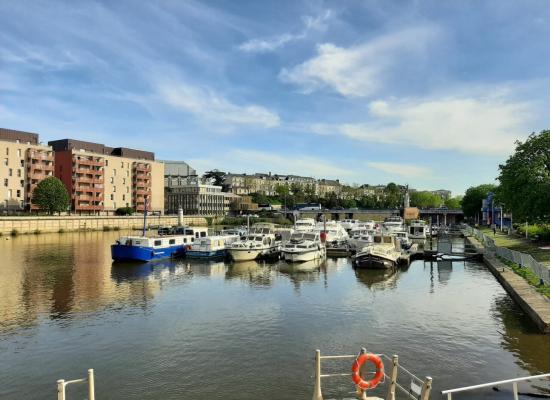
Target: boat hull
[120, 252]
[303, 256]
[370, 261]
[206, 254]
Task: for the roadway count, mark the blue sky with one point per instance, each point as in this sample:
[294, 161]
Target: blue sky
[428, 93]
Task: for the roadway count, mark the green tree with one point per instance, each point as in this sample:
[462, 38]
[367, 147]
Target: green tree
[454, 203]
[471, 202]
[51, 196]
[525, 179]
[425, 200]
[215, 177]
[393, 196]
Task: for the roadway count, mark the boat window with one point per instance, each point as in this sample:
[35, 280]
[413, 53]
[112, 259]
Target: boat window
[172, 241]
[184, 240]
[258, 239]
[158, 242]
[203, 234]
[309, 237]
[196, 234]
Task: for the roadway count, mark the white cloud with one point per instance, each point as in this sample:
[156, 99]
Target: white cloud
[213, 107]
[405, 170]
[479, 125]
[273, 43]
[359, 70]
[470, 123]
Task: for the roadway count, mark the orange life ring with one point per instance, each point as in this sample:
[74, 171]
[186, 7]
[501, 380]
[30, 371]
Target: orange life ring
[356, 368]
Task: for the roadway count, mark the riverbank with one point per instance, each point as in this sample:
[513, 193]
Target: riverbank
[60, 224]
[534, 304]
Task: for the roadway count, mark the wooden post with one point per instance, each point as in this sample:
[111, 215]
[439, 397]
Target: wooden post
[393, 378]
[61, 389]
[91, 389]
[426, 389]
[317, 395]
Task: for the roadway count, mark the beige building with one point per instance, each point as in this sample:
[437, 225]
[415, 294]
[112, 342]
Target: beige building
[24, 163]
[326, 186]
[101, 179]
[196, 198]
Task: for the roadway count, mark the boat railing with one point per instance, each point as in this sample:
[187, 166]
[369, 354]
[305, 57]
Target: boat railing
[513, 381]
[418, 389]
[62, 384]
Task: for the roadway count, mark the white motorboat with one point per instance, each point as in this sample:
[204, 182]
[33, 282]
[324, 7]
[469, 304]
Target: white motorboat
[303, 246]
[360, 237]
[211, 246]
[384, 253]
[333, 230]
[392, 224]
[417, 229]
[403, 238]
[304, 225]
[366, 225]
[261, 242]
[349, 224]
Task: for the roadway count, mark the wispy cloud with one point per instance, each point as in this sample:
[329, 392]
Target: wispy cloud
[359, 70]
[258, 45]
[403, 170]
[472, 124]
[213, 107]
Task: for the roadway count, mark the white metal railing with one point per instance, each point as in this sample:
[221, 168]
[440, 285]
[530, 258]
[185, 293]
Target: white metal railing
[513, 381]
[522, 259]
[419, 389]
[62, 384]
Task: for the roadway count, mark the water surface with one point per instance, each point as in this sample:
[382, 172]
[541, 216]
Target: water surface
[199, 330]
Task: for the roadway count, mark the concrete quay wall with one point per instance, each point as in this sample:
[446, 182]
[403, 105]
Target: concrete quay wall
[82, 223]
[534, 304]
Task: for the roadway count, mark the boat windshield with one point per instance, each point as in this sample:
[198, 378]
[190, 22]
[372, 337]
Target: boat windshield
[309, 236]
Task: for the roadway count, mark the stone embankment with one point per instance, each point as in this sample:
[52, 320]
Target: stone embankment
[534, 304]
[22, 225]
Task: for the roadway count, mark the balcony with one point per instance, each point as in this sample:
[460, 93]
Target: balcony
[141, 192]
[86, 197]
[84, 179]
[91, 163]
[39, 157]
[89, 207]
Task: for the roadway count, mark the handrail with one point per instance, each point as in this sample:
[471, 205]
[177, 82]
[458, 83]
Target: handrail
[496, 383]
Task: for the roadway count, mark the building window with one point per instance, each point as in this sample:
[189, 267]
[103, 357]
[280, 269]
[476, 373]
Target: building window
[127, 189]
[22, 183]
[114, 189]
[7, 151]
[122, 164]
[112, 180]
[114, 172]
[18, 152]
[18, 193]
[22, 163]
[5, 182]
[123, 197]
[19, 173]
[10, 172]
[124, 181]
[106, 163]
[9, 193]
[112, 196]
[5, 161]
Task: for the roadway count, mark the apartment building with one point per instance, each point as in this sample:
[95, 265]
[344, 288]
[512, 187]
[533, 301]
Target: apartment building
[101, 179]
[243, 184]
[177, 172]
[24, 163]
[196, 198]
[326, 186]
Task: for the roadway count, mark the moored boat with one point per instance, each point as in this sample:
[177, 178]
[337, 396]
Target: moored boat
[142, 248]
[384, 253]
[211, 246]
[303, 246]
[417, 229]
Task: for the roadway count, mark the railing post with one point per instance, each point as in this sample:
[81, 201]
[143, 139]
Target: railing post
[91, 389]
[393, 379]
[427, 388]
[61, 389]
[515, 390]
[317, 395]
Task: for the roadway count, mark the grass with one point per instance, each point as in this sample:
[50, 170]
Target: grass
[14, 232]
[518, 243]
[529, 276]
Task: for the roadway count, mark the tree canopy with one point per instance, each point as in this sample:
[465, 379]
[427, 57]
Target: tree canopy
[525, 179]
[215, 177]
[426, 200]
[471, 202]
[51, 196]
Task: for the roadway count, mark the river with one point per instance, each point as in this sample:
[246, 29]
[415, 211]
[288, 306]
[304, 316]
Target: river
[200, 330]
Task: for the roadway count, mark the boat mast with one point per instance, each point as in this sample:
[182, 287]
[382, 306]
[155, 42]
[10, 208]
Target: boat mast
[145, 217]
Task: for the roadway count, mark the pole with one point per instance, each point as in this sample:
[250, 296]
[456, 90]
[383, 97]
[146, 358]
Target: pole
[511, 223]
[501, 218]
[393, 377]
[145, 217]
[526, 230]
[91, 388]
[317, 395]
[426, 389]
[61, 389]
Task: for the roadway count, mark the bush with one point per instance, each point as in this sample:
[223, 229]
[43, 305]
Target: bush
[208, 221]
[124, 211]
[542, 230]
[61, 230]
[36, 231]
[116, 228]
[106, 228]
[14, 232]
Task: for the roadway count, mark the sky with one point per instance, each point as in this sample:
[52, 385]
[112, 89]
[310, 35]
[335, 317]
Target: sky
[433, 94]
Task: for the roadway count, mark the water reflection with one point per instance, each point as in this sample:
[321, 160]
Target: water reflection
[377, 279]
